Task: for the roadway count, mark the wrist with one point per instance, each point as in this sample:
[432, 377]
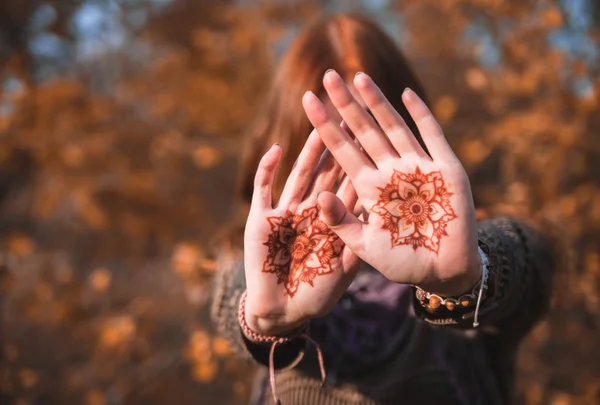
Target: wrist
[267, 327]
[462, 282]
[433, 302]
[273, 326]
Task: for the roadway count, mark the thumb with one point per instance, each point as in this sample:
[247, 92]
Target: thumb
[341, 221]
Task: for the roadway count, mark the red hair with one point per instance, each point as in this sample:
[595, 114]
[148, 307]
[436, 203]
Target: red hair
[348, 43]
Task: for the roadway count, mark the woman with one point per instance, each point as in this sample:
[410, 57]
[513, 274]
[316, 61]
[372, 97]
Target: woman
[315, 282]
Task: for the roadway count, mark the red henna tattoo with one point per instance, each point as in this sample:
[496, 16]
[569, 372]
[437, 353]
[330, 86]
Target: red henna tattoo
[416, 209]
[301, 247]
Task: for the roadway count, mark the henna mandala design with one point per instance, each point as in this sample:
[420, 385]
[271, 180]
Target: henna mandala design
[416, 209]
[300, 248]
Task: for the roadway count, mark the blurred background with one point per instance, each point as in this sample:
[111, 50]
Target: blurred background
[120, 128]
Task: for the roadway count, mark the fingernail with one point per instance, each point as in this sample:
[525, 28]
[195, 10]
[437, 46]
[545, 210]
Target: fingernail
[406, 90]
[358, 74]
[276, 144]
[329, 70]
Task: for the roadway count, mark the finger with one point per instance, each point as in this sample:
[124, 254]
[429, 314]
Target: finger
[263, 180]
[341, 221]
[328, 171]
[347, 193]
[391, 122]
[350, 264]
[342, 147]
[359, 121]
[302, 173]
[430, 129]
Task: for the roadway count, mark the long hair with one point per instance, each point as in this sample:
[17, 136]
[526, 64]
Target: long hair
[348, 43]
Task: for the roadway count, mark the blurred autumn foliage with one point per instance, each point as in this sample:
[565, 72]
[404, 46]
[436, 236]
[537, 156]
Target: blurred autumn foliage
[120, 128]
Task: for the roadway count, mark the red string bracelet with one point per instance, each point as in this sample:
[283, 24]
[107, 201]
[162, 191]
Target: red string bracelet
[300, 333]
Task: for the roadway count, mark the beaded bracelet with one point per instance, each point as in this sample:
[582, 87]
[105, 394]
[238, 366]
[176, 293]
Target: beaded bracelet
[299, 333]
[433, 301]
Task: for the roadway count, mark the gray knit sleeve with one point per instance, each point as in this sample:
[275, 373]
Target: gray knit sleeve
[228, 286]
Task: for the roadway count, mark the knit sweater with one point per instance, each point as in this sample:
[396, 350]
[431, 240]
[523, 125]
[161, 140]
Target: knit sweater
[381, 347]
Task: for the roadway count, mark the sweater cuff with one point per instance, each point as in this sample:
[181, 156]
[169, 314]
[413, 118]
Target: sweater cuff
[287, 355]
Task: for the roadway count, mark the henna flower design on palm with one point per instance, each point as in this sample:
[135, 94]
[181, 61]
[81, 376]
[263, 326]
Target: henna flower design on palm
[301, 247]
[415, 208]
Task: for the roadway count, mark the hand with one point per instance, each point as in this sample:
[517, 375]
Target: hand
[420, 226]
[296, 267]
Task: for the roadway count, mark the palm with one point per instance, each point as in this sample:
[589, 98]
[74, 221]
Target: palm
[413, 209]
[300, 248]
[296, 267]
[419, 225]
